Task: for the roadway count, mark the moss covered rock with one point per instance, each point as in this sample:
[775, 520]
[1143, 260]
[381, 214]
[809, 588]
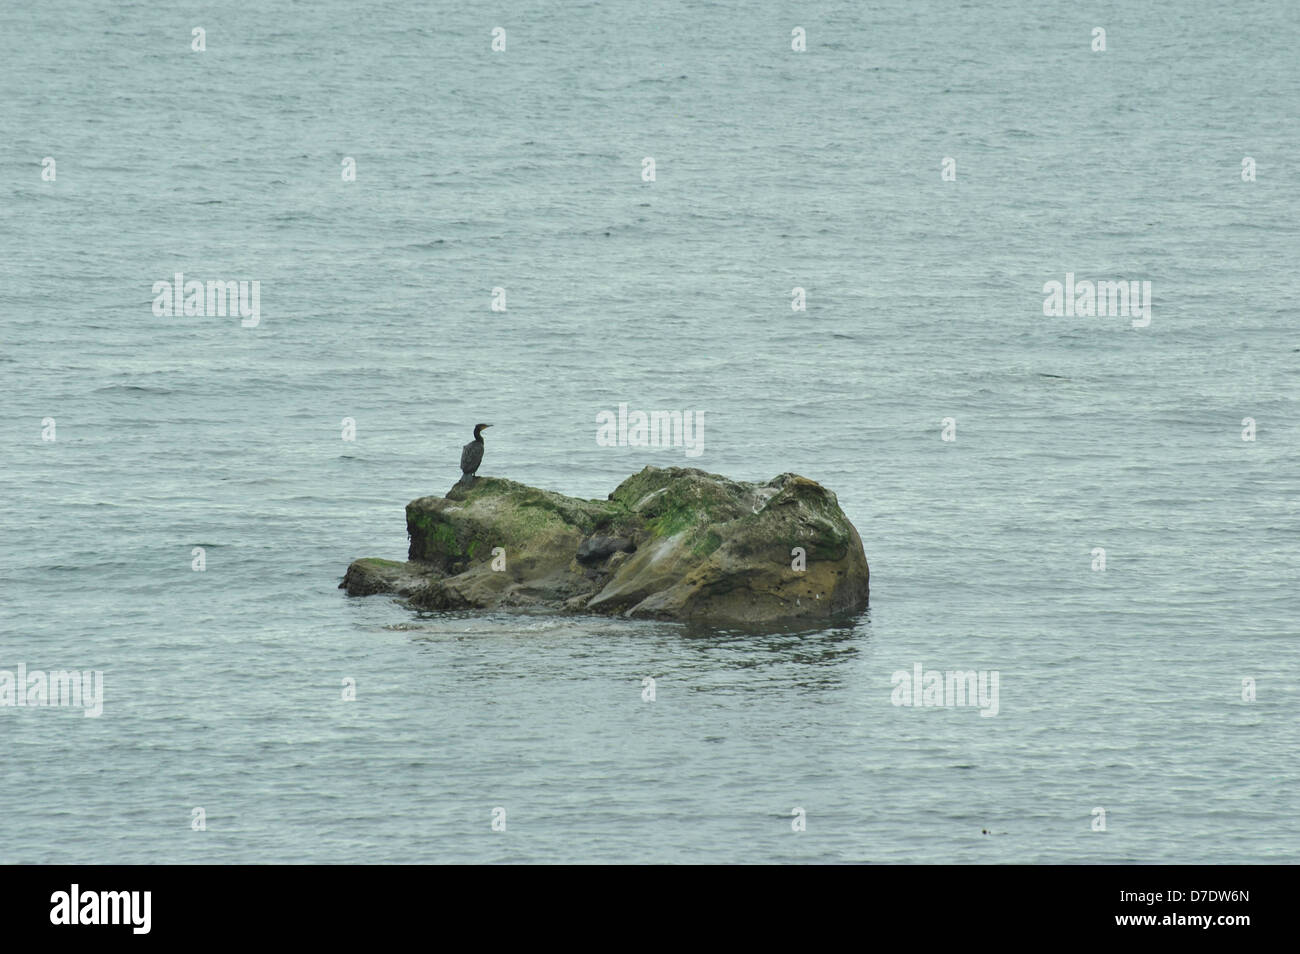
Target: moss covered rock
[673, 543]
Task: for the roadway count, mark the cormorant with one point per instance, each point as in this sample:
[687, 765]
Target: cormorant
[471, 455]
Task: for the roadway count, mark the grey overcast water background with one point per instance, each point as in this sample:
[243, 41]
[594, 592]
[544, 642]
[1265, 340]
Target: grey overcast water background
[522, 169]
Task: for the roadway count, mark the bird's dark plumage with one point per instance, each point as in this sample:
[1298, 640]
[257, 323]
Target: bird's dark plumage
[471, 454]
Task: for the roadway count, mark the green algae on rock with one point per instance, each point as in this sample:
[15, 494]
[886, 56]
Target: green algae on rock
[674, 543]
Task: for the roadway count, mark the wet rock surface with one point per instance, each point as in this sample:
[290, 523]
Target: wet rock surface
[669, 543]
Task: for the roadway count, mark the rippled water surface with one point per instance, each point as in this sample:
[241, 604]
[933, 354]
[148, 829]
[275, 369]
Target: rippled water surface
[774, 169]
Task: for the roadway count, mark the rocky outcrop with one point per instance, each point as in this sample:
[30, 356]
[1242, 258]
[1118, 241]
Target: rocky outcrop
[674, 543]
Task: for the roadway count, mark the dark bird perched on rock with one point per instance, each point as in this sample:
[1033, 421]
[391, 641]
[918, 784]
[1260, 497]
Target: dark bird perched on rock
[471, 455]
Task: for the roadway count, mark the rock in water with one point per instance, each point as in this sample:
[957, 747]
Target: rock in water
[673, 543]
[596, 550]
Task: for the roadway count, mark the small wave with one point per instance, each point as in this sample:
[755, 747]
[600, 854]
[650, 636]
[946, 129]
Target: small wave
[126, 388]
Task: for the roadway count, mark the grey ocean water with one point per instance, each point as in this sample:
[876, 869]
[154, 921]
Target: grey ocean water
[522, 169]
